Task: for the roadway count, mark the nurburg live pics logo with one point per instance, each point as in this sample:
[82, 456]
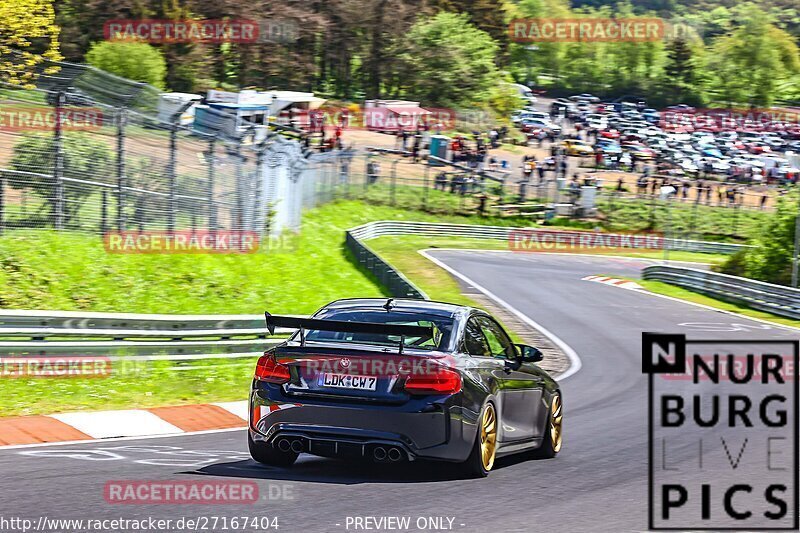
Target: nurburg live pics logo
[722, 433]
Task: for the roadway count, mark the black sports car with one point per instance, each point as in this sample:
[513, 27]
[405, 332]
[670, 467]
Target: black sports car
[401, 380]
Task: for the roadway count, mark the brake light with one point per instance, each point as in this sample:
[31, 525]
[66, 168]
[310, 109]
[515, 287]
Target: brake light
[441, 381]
[271, 371]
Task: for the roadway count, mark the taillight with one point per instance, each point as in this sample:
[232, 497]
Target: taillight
[440, 381]
[271, 371]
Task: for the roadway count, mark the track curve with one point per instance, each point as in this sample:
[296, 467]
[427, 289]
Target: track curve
[598, 483]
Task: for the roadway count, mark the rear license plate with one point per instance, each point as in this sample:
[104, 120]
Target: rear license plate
[349, 381]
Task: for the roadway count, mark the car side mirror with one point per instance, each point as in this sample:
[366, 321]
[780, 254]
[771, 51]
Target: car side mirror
[529, 354]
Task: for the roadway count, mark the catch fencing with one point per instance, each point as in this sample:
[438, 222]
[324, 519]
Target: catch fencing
[88, 151]
[775, 299]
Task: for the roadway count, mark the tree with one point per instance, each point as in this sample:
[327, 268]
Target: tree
[486, 15]
[28, 37]
[132, 60]
[752, 61]
[448, 61]
[680, 80]
[770, 258]
[85, 158]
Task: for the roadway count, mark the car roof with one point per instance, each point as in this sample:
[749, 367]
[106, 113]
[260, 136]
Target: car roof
[443, 309]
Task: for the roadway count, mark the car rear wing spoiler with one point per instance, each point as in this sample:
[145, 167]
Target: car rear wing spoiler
[343, 326]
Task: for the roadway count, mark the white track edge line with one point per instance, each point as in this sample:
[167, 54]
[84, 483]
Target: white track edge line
[575, 360]
[645, 291]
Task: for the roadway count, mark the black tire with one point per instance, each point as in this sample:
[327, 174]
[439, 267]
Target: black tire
[266, 454]
[548, 449]
[474, 465]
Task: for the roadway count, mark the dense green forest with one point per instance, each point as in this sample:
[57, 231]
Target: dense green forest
[447, 52]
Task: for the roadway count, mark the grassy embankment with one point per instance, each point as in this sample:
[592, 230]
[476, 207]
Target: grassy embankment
[70, 271]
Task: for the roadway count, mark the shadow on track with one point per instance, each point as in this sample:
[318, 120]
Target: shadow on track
[335, 471]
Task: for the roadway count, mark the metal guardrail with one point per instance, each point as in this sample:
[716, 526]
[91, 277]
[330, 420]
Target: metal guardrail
[397, 284]
[373, 230]
[143, 324]
[43, 333]
[775, 299]
[401, 287]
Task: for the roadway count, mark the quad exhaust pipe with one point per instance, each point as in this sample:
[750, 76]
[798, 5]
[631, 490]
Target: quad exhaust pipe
[380, 453]
[391, 453]
[293, 445]
[395, 455]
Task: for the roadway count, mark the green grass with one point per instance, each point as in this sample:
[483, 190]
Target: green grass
[690, 296]
[701, 222]
[42, 269]
[129, 385]
[72, 271]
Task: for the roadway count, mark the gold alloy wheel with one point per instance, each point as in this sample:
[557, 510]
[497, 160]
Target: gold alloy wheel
[555, 422]
[488, 437]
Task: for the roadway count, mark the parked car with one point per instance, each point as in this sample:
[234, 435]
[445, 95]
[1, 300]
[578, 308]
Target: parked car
[577, 147]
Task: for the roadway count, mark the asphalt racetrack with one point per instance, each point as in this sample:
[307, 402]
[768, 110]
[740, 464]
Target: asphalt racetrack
[598, 482]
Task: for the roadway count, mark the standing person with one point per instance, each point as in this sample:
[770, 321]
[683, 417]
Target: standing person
[373, 171]
[641, 185]
[562, 164]
[764, 198]
[526, 168]
[541, 169]
[338, 136]
[620, 184]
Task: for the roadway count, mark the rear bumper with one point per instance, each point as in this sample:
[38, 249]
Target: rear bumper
[422, 428]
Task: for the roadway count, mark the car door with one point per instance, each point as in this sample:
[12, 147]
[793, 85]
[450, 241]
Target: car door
[520, 388]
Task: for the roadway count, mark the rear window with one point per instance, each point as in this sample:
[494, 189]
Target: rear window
[444, 325]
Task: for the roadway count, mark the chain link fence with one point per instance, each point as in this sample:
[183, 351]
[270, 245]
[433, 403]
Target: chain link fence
[69, 162]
